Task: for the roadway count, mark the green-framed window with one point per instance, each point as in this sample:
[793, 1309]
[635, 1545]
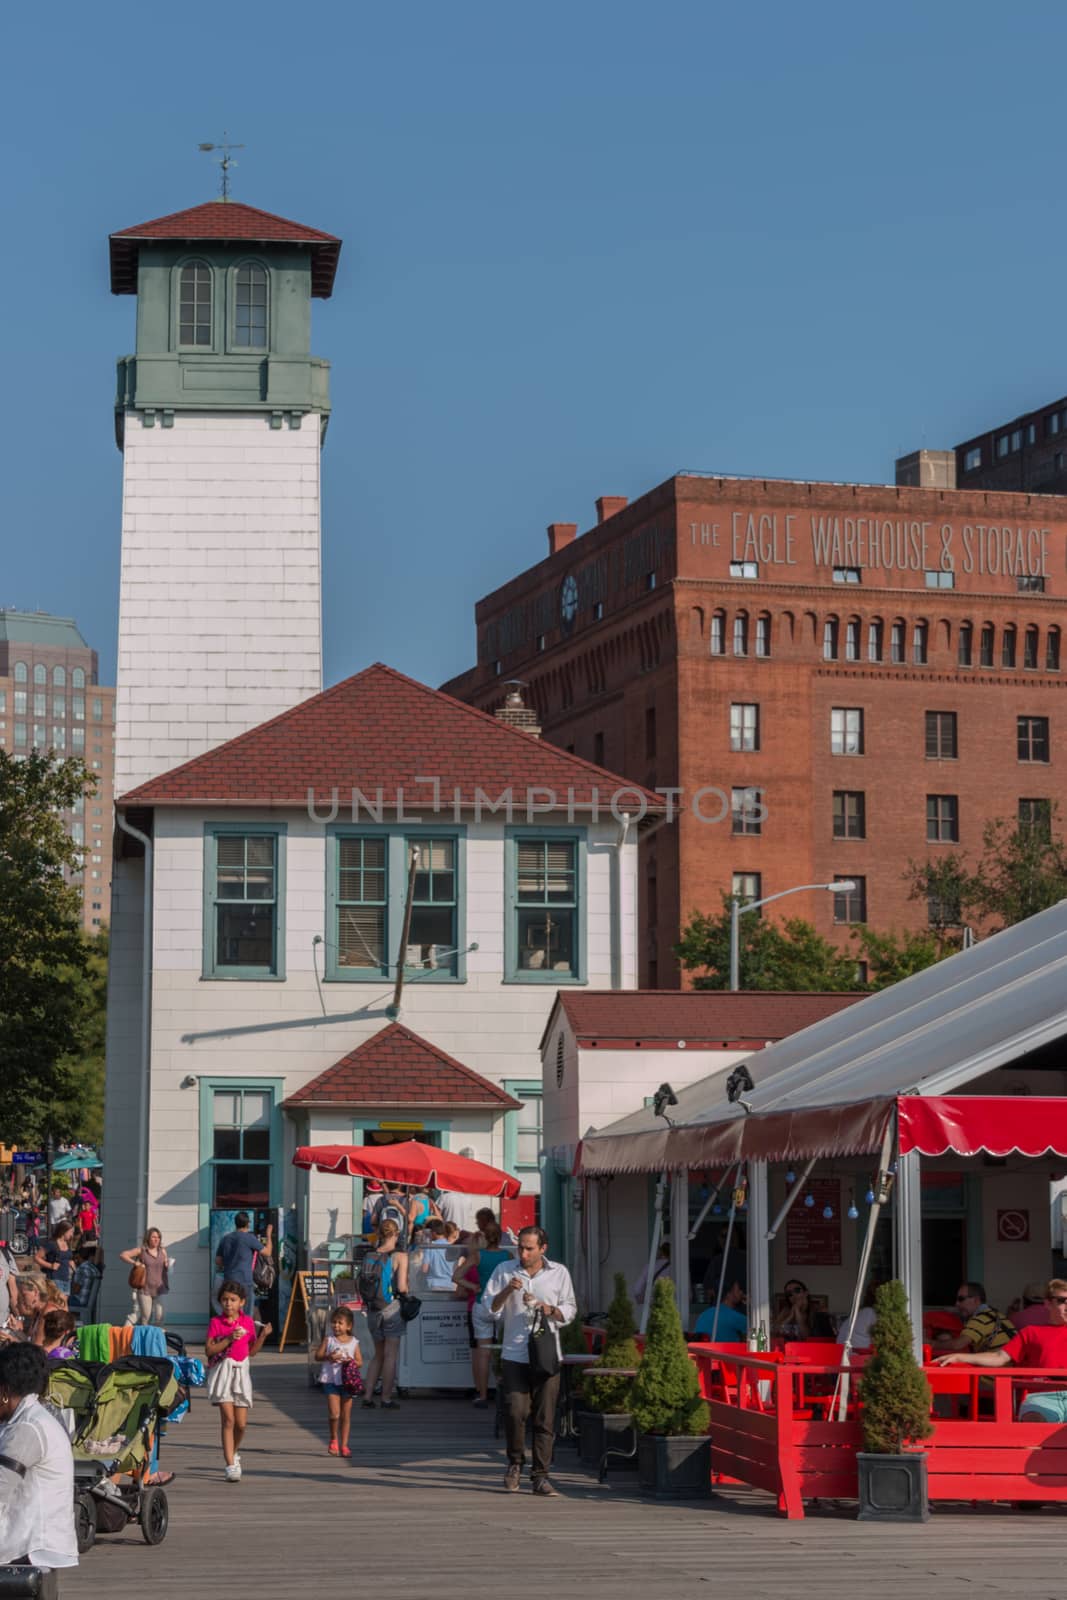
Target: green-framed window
[195, 291]
[250, 306]
[362, 904]
[545, 905]
[244, 900]
[241, 1144]
[367, 872]
[524, 1129]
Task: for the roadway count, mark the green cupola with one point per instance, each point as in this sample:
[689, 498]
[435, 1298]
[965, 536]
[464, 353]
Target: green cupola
[224, 297]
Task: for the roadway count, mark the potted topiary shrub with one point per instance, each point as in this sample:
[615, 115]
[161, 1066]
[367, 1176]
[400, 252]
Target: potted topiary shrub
[895, 1399]
[673, 1447]
[604, 1421]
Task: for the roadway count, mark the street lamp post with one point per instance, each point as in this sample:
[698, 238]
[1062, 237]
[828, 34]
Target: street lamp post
[737, 911]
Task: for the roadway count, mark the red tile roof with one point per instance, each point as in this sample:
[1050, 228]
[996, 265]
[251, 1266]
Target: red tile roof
[397, 1068]
[224, 221]
[381, 730]
[712, 1018]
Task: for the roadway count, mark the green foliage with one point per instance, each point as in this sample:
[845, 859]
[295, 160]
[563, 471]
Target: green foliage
[789, 956]
[620, 1350]
[893, 956]
[893, 1389]
[51, 975]
[665, 1396]
[1022, 870]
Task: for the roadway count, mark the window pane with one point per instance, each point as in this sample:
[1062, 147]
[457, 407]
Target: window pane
[431, 939]
[227, 1144]
[226, 1111]
[546, 941]
[255, 1108]
[241, 1186]
[194, 317]
[527, 1148]
[361, 937]
[245, 936]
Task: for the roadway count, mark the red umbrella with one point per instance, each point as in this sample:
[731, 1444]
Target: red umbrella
[412, 1163]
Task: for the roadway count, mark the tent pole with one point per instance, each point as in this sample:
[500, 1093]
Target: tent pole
[790, 1200]
[880, 1190]
[657, 1234]
[759, 1252]
[713, 1195]
[909, 1241]
[726, 1248]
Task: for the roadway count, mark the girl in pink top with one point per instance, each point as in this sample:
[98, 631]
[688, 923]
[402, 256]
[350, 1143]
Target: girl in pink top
[231, 1342]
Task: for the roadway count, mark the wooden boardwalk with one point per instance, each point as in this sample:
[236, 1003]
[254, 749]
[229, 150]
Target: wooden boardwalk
[420, 1511]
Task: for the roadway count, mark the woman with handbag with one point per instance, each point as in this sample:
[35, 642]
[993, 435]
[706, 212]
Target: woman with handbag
[149, 1278]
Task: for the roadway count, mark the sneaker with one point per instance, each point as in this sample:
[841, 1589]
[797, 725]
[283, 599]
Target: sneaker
[335, 1449]
[368, 1405]
[390, 1405]
[237, 1461]
[233, 1473]
[511, 1479]
[542, 1486]
[479, 1404]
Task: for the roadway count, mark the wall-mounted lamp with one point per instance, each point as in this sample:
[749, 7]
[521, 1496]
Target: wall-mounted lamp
[189, 1081]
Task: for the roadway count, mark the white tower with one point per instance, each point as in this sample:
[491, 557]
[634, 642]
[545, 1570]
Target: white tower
[220, 416]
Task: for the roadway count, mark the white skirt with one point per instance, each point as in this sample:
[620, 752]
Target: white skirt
[230, 1383]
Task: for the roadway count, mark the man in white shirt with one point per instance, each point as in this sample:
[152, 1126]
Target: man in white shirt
[58, 1207]
[516, 1294]
[36, 1467]
[462, 1209]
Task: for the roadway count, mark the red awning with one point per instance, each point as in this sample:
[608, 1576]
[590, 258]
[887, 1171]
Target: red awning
[409, 1162]
[965, 1124]
[971, 1125]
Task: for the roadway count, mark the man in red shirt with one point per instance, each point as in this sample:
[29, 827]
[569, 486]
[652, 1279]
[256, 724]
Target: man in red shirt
[1039, 1345]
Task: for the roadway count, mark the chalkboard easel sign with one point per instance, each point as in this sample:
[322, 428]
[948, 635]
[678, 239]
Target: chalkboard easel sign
[312, 1288]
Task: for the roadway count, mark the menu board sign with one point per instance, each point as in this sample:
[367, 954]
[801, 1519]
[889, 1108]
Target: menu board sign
[812, 1239]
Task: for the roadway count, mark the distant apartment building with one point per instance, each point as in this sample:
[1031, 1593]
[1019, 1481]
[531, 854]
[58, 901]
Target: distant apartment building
[1023, 455]
[51, 699]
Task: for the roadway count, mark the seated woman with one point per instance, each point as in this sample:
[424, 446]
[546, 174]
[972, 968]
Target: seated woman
[798, 1318]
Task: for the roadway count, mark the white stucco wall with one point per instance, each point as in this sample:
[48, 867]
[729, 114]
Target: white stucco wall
[219, 601]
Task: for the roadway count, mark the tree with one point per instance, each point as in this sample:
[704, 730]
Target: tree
[620, 1350]
[792, 957]
[893, 1389]
[665, 1396]
[893, 956]
[45, 960]
[1022, 870]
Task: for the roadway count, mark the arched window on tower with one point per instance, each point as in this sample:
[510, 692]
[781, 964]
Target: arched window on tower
[896, 642]
[40, 674]
[194, 305]
[741, 634]
[763, 634]
[77, 678]
[21, 672]
[875, 639]
[829, 639]
[986, 645]
[718, 633]
[1007, 646]
[1030, 643]
[919, 641]
[59, 677]
[250, 307]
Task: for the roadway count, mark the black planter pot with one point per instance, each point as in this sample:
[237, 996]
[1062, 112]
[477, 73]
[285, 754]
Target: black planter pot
[893, 1488]
[675, 1467]
[604, 1430]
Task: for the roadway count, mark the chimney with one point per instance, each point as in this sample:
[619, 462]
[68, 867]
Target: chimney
[561, 534]
[609, 505]
[515, 712]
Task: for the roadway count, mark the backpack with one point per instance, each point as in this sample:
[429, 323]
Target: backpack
[264, 1273]
[352, 1378]
[392, 1211]
[369, 1283]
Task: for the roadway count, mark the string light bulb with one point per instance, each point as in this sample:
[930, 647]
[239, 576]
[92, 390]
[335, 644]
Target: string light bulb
[809, 1200]
[827, 1212]
[869, 1197]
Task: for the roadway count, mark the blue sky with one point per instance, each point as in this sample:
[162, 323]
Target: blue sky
[586, 245]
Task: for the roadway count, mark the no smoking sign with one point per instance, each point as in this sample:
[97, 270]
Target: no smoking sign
[1013, 1227]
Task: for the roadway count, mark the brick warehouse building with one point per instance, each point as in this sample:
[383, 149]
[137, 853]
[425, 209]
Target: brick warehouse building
[866, 673]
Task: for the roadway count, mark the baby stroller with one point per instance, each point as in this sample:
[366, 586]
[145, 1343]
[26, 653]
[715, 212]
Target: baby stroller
[113, 1412]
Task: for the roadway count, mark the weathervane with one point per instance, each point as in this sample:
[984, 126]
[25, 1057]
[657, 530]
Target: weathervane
[225, 161]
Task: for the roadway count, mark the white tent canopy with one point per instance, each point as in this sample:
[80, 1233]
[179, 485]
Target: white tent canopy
[930, 1034]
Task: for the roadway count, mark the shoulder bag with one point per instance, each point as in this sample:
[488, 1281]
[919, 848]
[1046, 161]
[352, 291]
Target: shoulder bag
[543, 1349]
[138, 1275]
